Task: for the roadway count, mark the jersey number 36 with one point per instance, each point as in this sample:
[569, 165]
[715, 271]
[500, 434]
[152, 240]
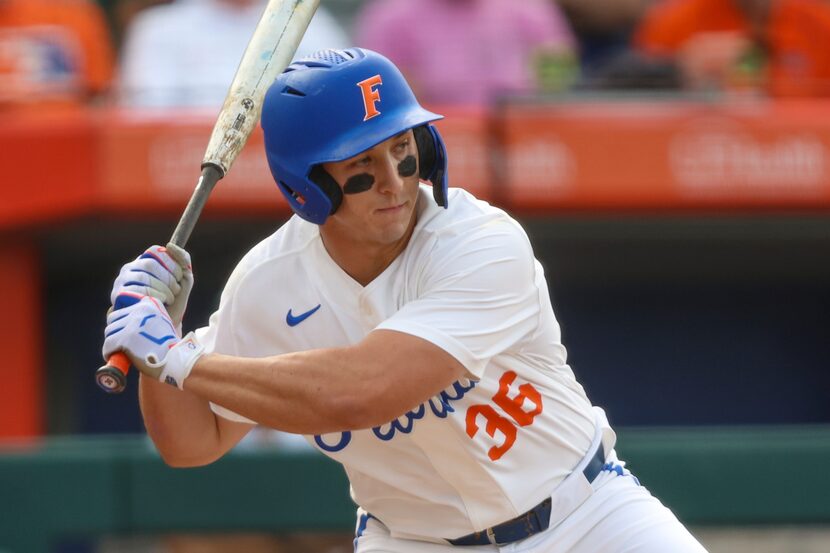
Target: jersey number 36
[512, 407]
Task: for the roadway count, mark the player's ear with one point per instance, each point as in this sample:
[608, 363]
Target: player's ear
[432, 161]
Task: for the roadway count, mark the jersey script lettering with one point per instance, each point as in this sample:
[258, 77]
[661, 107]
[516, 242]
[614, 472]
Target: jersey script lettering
[440, 406]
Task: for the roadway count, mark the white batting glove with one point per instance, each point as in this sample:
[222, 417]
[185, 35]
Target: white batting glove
[164, 273]
[145, 332]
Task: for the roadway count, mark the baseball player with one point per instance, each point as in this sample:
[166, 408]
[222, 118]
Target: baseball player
[403, 327]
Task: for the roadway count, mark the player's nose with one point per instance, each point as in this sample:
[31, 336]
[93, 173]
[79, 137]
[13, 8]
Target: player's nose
[388, 175]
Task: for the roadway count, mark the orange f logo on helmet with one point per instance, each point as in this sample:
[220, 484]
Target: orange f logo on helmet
[371, 96]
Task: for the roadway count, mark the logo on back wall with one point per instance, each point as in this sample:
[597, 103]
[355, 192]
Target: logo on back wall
[371, 96]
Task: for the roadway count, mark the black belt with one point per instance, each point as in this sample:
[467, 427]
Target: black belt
[532, 522]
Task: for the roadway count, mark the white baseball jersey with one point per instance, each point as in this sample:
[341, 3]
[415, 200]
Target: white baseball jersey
[483, 451]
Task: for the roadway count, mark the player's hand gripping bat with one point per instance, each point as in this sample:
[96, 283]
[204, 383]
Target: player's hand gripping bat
[269, 51]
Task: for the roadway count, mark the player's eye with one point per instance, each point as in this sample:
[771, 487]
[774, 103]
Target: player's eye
[361, 162]
[402, 146]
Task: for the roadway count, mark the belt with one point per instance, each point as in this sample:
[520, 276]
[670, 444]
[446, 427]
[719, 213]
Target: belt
[532, 522]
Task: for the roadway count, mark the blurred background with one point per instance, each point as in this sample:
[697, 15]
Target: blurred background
[670, 160]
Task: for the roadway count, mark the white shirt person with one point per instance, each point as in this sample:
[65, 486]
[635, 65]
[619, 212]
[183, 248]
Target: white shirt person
[185, 54]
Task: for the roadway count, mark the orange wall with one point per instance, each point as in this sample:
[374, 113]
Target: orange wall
[21, 343]
[552, 157]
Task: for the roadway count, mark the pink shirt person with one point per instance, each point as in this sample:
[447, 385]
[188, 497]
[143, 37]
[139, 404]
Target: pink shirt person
[465, 51]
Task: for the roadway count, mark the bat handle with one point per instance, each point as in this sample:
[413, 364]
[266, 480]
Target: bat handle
[112, 377]
[211, 174]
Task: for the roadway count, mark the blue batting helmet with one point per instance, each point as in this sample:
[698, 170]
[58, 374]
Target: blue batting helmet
[331, 106]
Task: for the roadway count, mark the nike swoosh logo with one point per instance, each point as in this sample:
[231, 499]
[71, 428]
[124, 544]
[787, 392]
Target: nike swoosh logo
[294, 320]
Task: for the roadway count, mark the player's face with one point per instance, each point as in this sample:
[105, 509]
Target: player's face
[380, 187]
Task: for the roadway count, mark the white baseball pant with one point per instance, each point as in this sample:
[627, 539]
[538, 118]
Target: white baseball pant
[619, 517]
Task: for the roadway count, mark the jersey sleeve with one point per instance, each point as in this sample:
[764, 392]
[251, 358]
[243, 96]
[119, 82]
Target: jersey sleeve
[479, 295]
[218, 336]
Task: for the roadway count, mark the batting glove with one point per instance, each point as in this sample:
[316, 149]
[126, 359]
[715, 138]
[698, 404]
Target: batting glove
[145, 332]
[164, 273]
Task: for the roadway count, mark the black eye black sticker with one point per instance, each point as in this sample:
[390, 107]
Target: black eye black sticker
[407, 167]
[358, 183]
[364, 181]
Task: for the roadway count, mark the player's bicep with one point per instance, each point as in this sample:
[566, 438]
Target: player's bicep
[404, 370]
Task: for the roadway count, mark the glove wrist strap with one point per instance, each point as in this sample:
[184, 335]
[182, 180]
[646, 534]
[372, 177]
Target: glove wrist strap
[179, 361]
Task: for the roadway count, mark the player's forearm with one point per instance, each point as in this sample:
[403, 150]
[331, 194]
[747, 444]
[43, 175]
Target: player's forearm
[181, 425]
[311, 392]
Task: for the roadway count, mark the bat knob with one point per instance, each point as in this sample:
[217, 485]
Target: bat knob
[112, 377]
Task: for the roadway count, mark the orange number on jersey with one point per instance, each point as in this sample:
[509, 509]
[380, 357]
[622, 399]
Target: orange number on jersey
[513, 406]
[494, 422]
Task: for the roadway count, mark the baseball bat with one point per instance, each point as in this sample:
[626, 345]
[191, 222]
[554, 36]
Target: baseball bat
[270, 50]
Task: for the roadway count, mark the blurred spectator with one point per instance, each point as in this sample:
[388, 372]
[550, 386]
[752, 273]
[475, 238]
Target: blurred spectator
[781, 47]
[53, 52]
[122, 13]
[603, 28]
[472, 51]
[186, 53]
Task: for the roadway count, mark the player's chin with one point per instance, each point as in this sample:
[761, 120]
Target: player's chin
[390, 231]
[389, 234]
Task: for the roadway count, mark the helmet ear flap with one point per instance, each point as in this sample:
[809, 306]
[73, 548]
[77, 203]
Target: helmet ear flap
[426, 151]
[328, 186]
[432, 161]
[308, 200]
[316, 198]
